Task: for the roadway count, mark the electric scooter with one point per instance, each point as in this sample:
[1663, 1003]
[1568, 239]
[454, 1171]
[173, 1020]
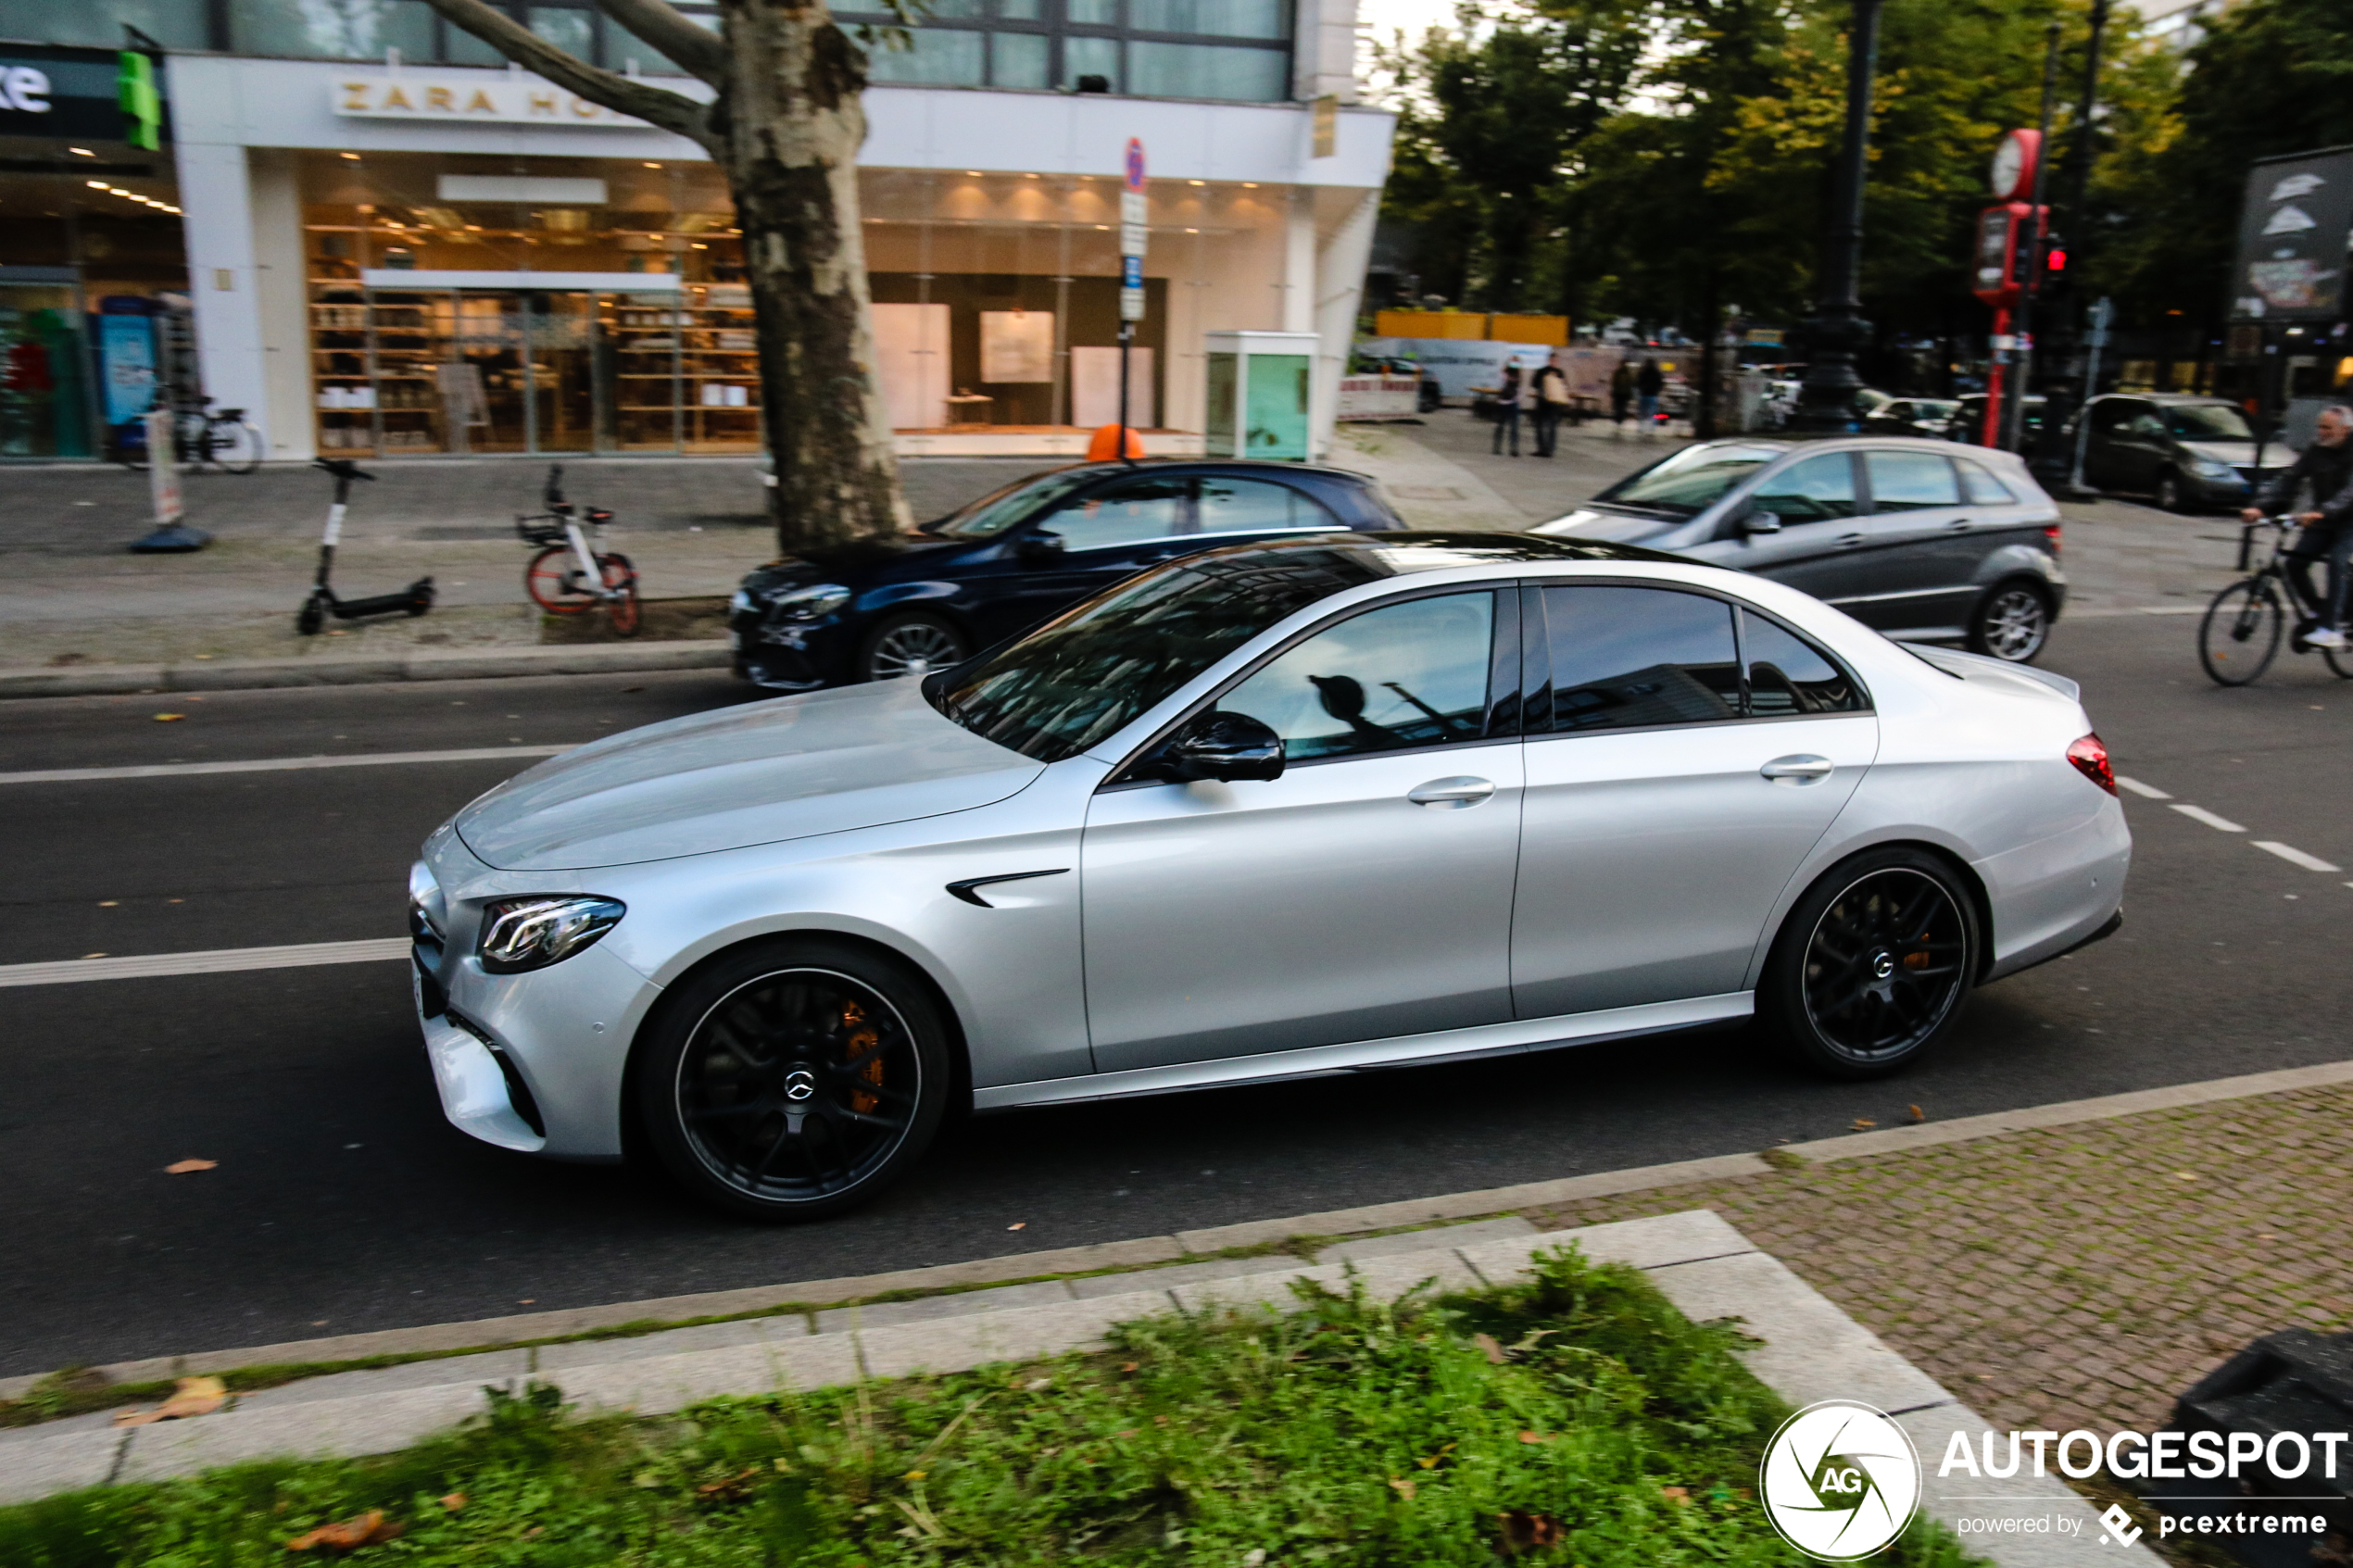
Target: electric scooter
[415, 599]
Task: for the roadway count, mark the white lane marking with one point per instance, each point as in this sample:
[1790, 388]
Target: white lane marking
[2200, 814]
[2296, 857]
[219, 961]
[2146, 792]
[280, 764]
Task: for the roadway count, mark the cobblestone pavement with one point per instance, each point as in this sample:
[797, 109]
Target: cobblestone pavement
[2077, 1276]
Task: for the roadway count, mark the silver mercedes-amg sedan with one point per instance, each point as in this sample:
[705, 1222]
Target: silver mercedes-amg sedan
[1280, 810]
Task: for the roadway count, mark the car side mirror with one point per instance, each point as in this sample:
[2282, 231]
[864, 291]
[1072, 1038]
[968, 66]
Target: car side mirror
[1225, 747]
[1759, 523]
[1039, 547]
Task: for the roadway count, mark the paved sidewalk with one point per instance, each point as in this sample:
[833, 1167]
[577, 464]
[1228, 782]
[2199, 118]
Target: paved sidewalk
[2078, 1276]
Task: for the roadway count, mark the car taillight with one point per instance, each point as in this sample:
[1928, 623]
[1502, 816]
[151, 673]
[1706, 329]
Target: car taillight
[2090, 756]
[2051, 532]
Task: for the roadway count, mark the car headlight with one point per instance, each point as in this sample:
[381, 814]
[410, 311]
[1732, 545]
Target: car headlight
[810, 603]
[427, 911]
[526, 933]
[2210, 467]
[740, 601]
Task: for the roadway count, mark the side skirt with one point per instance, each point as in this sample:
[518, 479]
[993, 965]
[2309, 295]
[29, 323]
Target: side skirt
[1317, 1061]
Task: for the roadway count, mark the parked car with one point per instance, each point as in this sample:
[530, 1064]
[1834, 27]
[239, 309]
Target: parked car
[2187, 454]
[880, 609]
[1909, 537]
[1968, 422]
[1927, 417]
[1277, 810]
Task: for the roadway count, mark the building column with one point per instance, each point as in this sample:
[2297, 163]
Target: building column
[1339, 289]
[1299, 263]
[216, 199]
[282, 308]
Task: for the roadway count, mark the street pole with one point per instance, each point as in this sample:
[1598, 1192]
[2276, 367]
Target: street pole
[2103, 312]
[2063, 334]
[2022, 326]
[1826, 400]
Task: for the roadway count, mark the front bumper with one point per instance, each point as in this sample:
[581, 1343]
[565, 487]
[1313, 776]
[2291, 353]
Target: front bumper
[795, 656]
[537, 1063]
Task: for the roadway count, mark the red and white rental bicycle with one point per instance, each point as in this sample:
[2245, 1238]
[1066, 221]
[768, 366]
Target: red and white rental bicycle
[569, 576]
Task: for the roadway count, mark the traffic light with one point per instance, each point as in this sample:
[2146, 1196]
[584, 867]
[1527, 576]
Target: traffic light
[2053, 255]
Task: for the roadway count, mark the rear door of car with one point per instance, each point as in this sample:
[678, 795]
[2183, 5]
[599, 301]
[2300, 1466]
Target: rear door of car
[1919, 560]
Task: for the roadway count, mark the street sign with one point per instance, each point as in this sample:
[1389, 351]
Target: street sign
[1133, 237]
[1135, 173]
[2102, 316]
[163, 475]
[1131, 272]
[1131, 305]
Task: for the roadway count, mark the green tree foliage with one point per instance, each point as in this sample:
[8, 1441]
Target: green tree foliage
[2272, 77]
[1707, 180]
[1493, 119]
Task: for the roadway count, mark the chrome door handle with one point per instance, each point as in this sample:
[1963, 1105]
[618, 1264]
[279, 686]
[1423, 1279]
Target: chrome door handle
[1453, 793]
[1848, 541]
[1799, 769]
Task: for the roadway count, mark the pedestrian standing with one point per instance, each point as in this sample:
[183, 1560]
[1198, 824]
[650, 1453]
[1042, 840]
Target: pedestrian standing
[1550, 388]
[1648, 381]
[1621, 395]
[1507, 406]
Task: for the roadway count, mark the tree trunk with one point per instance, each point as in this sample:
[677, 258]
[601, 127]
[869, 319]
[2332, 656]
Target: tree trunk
[789, 122]
[784, 128]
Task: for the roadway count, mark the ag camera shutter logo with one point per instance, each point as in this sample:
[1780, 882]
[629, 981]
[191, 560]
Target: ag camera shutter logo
[1840, 1480]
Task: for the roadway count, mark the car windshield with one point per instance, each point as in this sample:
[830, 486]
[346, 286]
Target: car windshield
[1083, 677]
[1691, 480]
[999, 509]
[2208, 422]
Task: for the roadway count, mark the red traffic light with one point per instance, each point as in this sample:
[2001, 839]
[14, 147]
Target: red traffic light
[2054, 259]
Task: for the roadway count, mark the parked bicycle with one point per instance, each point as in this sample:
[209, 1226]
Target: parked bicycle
[2240, 635]
[201, 438]
[569, 576]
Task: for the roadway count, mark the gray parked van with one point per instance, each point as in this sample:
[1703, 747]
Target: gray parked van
[1916, 538]
[2187, 454]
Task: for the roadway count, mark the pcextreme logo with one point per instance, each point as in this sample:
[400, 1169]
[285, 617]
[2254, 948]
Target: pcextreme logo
[1840, 1480]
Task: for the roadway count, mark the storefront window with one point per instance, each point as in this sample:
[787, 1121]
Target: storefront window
[352, 30]
[176, 25]
[44, 397]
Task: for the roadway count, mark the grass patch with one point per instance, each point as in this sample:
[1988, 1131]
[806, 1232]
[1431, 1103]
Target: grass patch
[1579, 1410]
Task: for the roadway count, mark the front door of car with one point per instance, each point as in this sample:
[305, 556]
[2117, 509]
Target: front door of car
[1104, 534]
[1669, 801]
[2141, 449]
[1364, 893]
[1820, 549]
[2107, 454]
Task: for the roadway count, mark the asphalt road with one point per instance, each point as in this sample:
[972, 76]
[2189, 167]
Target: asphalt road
[342, 1202]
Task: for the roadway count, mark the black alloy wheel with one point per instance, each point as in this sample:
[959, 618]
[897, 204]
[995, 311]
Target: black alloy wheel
[2012, 623]
[791, 1080]
[1871, 967]
[910, 645]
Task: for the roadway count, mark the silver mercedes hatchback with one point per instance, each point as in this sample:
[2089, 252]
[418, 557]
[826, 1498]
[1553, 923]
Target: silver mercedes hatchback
[1272, 811]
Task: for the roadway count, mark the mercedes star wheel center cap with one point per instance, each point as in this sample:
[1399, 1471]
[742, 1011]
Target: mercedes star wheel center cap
[800, 1085]
[1883, 965]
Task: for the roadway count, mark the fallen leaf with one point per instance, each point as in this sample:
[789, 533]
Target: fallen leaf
[1129, 1433]
[365, 1529]
[1403, 1486]
[89, 956]
[1489, 1347]
[1018, 1225]
[2185, 1175]
[731, 1489]
[1128, 1366]
[168, 717]
[534, 1532]
[1919, 1115]
[1674, 1494]
[1864, 1124]
[1521, 1531]
[109, 903]
[183, 1166]
[190, 1396]
[1159, 1421]
[454, 1502]
[1534, 1437]
[528, 1301]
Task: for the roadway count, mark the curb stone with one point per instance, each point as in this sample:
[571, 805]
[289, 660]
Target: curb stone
[439, 664]
[1802, 1347]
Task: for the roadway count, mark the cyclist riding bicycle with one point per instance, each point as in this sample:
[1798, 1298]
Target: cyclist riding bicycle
[2328, 531]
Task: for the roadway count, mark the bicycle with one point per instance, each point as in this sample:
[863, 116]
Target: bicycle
[201, 438]
[2240, 634]
[567, 576]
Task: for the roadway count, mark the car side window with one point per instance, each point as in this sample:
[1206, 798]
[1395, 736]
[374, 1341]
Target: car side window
[1982, 488]
[1814, 489]
[1151, 507]
[1233, 505]
[1910, 482]
[1405, 675]
[1788, 675]
[1624, 657]
[2146, 426]
[2110, 415]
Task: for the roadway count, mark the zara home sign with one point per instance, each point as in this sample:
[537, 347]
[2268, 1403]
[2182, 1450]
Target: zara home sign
[509, 99]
